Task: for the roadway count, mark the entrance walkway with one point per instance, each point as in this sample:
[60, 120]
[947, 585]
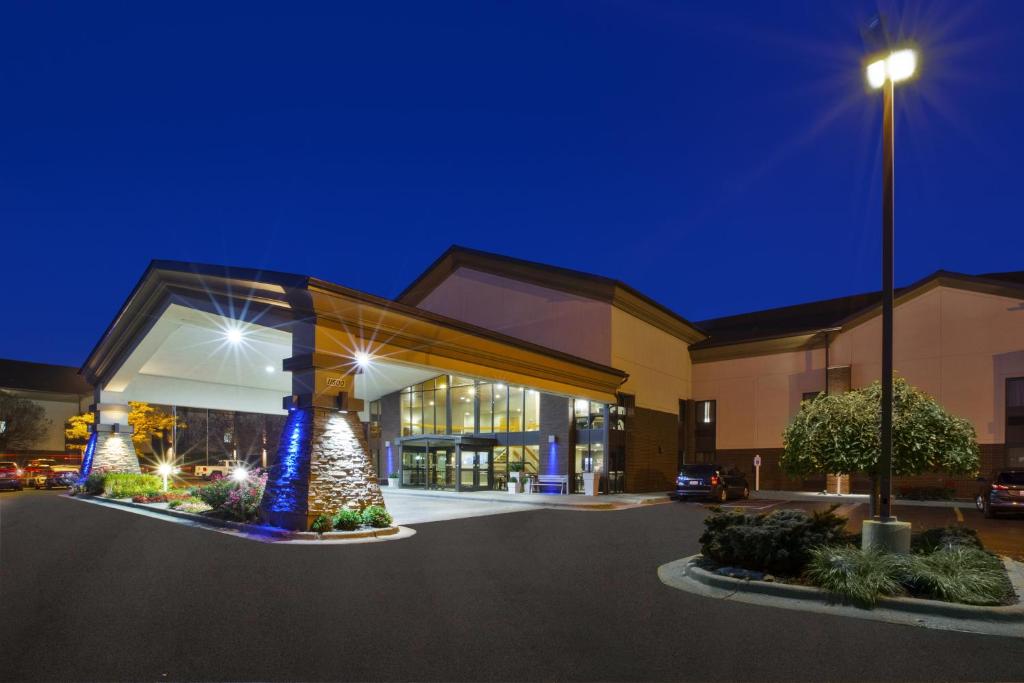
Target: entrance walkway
[411, 499]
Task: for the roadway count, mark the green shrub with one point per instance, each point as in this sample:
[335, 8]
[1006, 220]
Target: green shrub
[128, 485]
[347, 520]
[958, 574]
[215, 494]
[376, 516]
[94, 483]
[321, 524]
[859, 576]
[779, 542]
[947, 537]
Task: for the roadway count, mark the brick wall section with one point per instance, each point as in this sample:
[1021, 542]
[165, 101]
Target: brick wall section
[652, 451]
[993, 456]
[116, 452]
[555, 418]
[341, 473]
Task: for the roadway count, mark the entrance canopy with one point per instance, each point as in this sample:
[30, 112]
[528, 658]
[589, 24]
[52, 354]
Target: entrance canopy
[242, 339]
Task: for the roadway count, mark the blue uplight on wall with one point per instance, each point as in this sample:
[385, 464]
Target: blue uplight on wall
[552, 467]
[286, 487]
[391, 461]
[90, 451]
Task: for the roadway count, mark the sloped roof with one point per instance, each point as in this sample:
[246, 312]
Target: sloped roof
[831, 314]
[576, 282]
[58, 379]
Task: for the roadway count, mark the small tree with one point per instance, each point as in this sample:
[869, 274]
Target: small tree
[841, 434]
[22, 422]
[147, 423]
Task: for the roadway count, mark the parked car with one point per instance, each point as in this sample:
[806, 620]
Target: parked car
[57, 476]
[712, 482]
[1003, 492]
[10, 476]
[220, 470]
[34, 467]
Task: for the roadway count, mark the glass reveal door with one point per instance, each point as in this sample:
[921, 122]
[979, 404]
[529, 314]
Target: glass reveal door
[440, 468]
[474, 470]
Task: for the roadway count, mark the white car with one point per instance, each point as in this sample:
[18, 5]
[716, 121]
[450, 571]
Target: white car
[222, 469]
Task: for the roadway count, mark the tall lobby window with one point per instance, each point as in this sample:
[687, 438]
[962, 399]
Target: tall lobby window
[500, 408]
[463, 400]
[531, 459]
[515, 409]
[705, 428]
[485, 392]
[531, 411]
[581, 413]
[1015, 422]
[374, 418]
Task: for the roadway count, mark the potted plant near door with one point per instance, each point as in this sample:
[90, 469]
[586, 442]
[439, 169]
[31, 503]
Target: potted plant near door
[393, 480]
[515, 484]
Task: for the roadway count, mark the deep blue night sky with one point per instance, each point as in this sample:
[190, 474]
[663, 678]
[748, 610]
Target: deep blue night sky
[720, 157]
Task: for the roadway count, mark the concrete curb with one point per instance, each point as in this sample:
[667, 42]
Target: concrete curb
[255, 531]
[538, 501]
[685, 575]
[817, 497]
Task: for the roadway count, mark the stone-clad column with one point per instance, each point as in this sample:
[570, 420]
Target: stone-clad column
[110, 446]
[323, 463]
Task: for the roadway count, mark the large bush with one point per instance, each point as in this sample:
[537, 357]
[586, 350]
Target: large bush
[237, 500]
[779, 542]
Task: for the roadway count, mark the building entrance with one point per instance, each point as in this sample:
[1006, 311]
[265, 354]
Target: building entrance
[456, 463]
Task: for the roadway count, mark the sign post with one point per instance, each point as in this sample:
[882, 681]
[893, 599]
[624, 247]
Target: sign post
[757, 472]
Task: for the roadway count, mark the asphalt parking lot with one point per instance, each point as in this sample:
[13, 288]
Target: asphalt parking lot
[93, 593]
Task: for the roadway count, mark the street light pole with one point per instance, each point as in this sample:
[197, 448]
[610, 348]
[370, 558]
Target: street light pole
[888, 248]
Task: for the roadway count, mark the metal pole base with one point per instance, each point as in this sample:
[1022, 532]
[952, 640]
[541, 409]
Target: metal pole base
[889, 536]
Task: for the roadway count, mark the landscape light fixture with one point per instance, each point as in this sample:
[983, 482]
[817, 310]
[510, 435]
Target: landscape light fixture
[239, 474]
[165, 469]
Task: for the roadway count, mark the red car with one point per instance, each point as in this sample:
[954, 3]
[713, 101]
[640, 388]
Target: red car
[10, 476]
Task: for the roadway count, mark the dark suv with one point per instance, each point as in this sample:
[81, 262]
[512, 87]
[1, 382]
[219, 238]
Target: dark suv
[1004, 492]
[710, 481]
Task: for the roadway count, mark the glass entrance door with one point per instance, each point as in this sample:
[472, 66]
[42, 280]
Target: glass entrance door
[474, 470]
[440, 468]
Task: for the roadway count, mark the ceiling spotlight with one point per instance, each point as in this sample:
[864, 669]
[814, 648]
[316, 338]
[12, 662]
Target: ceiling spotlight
[362, 359]
[234, 335]
[269, 368]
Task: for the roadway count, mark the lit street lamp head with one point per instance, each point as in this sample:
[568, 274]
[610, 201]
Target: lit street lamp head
[897, 66]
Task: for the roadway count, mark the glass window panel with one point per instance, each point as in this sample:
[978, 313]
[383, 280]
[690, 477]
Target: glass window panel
[597, 456]
[581, 410]
[462, 410]
[583, 461]
[441, 411]
[461, 381]
[484, 392]
[429, 426]
[500, 460]
[531, 459]
[515, 454]
[515, 409]
[532, 411]
[406, 413]
[416, 417]
[500, 408]
[596, 415]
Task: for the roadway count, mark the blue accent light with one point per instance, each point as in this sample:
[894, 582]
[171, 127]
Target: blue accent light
[553, 458]
[286, 487]
[391, 461]
[90, 451]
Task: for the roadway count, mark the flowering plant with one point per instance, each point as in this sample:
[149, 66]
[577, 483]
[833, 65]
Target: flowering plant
[244, 499]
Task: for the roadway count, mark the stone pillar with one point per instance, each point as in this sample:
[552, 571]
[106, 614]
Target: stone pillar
[322, 463]
[110, 446]
[839, 380]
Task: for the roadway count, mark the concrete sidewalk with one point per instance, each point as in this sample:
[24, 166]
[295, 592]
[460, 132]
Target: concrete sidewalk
[552, 500]
[844, 499]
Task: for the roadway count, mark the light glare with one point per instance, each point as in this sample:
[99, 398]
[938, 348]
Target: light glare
[240, 474]
[876, 74]
[234, 335]
[362, 359]
[898, 66]
[165, 469]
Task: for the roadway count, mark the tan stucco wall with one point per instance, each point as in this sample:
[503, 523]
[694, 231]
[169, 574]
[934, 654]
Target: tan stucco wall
[557, 320]
[756, 397]
[658, 363]
[959, 346]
